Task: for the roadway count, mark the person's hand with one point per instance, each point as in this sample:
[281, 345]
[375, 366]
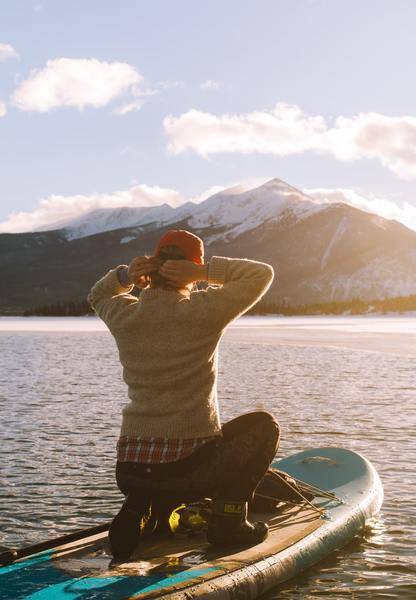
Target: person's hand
[139, 268]
[182, 272]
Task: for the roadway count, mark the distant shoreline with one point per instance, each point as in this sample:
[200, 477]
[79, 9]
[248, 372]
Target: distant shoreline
[376, 313]
[355, 306]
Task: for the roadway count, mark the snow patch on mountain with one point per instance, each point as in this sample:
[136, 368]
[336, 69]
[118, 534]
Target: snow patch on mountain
[381, 277]
[339, 232]
[127, 239]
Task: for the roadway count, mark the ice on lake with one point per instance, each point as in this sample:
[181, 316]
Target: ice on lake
[394, 334]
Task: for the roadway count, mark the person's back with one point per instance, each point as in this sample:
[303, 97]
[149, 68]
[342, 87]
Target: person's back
[168, 341]
[163, 340]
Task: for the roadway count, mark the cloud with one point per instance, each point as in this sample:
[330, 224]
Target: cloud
[389, 209]
[7, 51]
[124, 109]
[284, 130]
[248, 184]
[210, 84]
[168, 84]
[57, 208]
[207, 193]
[391, 140]
[77, 83]
[3, 109]
[139, 96]
[287, 130]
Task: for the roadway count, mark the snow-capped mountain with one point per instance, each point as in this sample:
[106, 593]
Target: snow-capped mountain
[239, 211]
[232, 211]
[108, 219]
[131, 207]
[320, 252]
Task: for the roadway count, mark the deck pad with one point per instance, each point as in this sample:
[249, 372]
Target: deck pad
[285, 527]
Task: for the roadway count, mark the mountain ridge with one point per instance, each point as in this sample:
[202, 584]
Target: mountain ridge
[106, 219]
[320, 252]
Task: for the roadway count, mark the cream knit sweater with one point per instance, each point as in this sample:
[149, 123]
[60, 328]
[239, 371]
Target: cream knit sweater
[168, 345]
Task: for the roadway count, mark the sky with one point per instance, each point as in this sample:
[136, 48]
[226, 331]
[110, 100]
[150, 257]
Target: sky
[106, 103]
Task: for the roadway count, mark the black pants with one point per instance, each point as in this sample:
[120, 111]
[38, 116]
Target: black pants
[229, 467]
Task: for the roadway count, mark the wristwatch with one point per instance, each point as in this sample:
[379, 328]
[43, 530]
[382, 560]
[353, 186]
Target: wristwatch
[122, 275]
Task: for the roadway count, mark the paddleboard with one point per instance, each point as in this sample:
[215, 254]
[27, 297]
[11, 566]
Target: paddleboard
[186, 567]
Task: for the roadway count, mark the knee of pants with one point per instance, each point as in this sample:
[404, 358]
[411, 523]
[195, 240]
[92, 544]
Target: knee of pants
[268, 427]
[265, 419]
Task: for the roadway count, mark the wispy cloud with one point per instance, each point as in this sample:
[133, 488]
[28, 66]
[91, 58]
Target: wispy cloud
[124, 109]
[389, 209]
[287, 130]
[77, 83]
[56, 208]
[210, 85]
[7, 51]
[3, 109]
[207, 193]
[139, 98]
[170, 83]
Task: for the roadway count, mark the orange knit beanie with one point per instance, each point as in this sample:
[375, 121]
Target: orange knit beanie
[191, 244]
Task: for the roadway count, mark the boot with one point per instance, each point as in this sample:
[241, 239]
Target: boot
[161, 511]
[124, 532]
[228, 525]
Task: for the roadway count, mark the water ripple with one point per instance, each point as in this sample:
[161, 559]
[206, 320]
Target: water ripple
[61, 398]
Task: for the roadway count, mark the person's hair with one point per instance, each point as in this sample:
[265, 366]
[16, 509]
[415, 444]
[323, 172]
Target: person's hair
[166, 253]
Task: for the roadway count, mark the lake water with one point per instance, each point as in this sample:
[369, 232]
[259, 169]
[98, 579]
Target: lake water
[344, 381]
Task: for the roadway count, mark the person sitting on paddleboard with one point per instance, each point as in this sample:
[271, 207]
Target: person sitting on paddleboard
[172, 447]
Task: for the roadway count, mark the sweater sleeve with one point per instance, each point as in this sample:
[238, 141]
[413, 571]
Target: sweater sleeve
[240, 284]
[111, 294]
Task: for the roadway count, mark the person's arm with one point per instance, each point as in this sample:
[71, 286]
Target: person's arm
[105, 294]
[112, 293]
[239, 282]
[242, 282]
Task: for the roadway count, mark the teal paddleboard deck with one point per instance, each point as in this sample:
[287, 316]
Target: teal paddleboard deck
[183, 567]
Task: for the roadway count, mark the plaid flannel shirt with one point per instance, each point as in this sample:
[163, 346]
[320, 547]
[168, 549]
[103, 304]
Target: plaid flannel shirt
[157, 450]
